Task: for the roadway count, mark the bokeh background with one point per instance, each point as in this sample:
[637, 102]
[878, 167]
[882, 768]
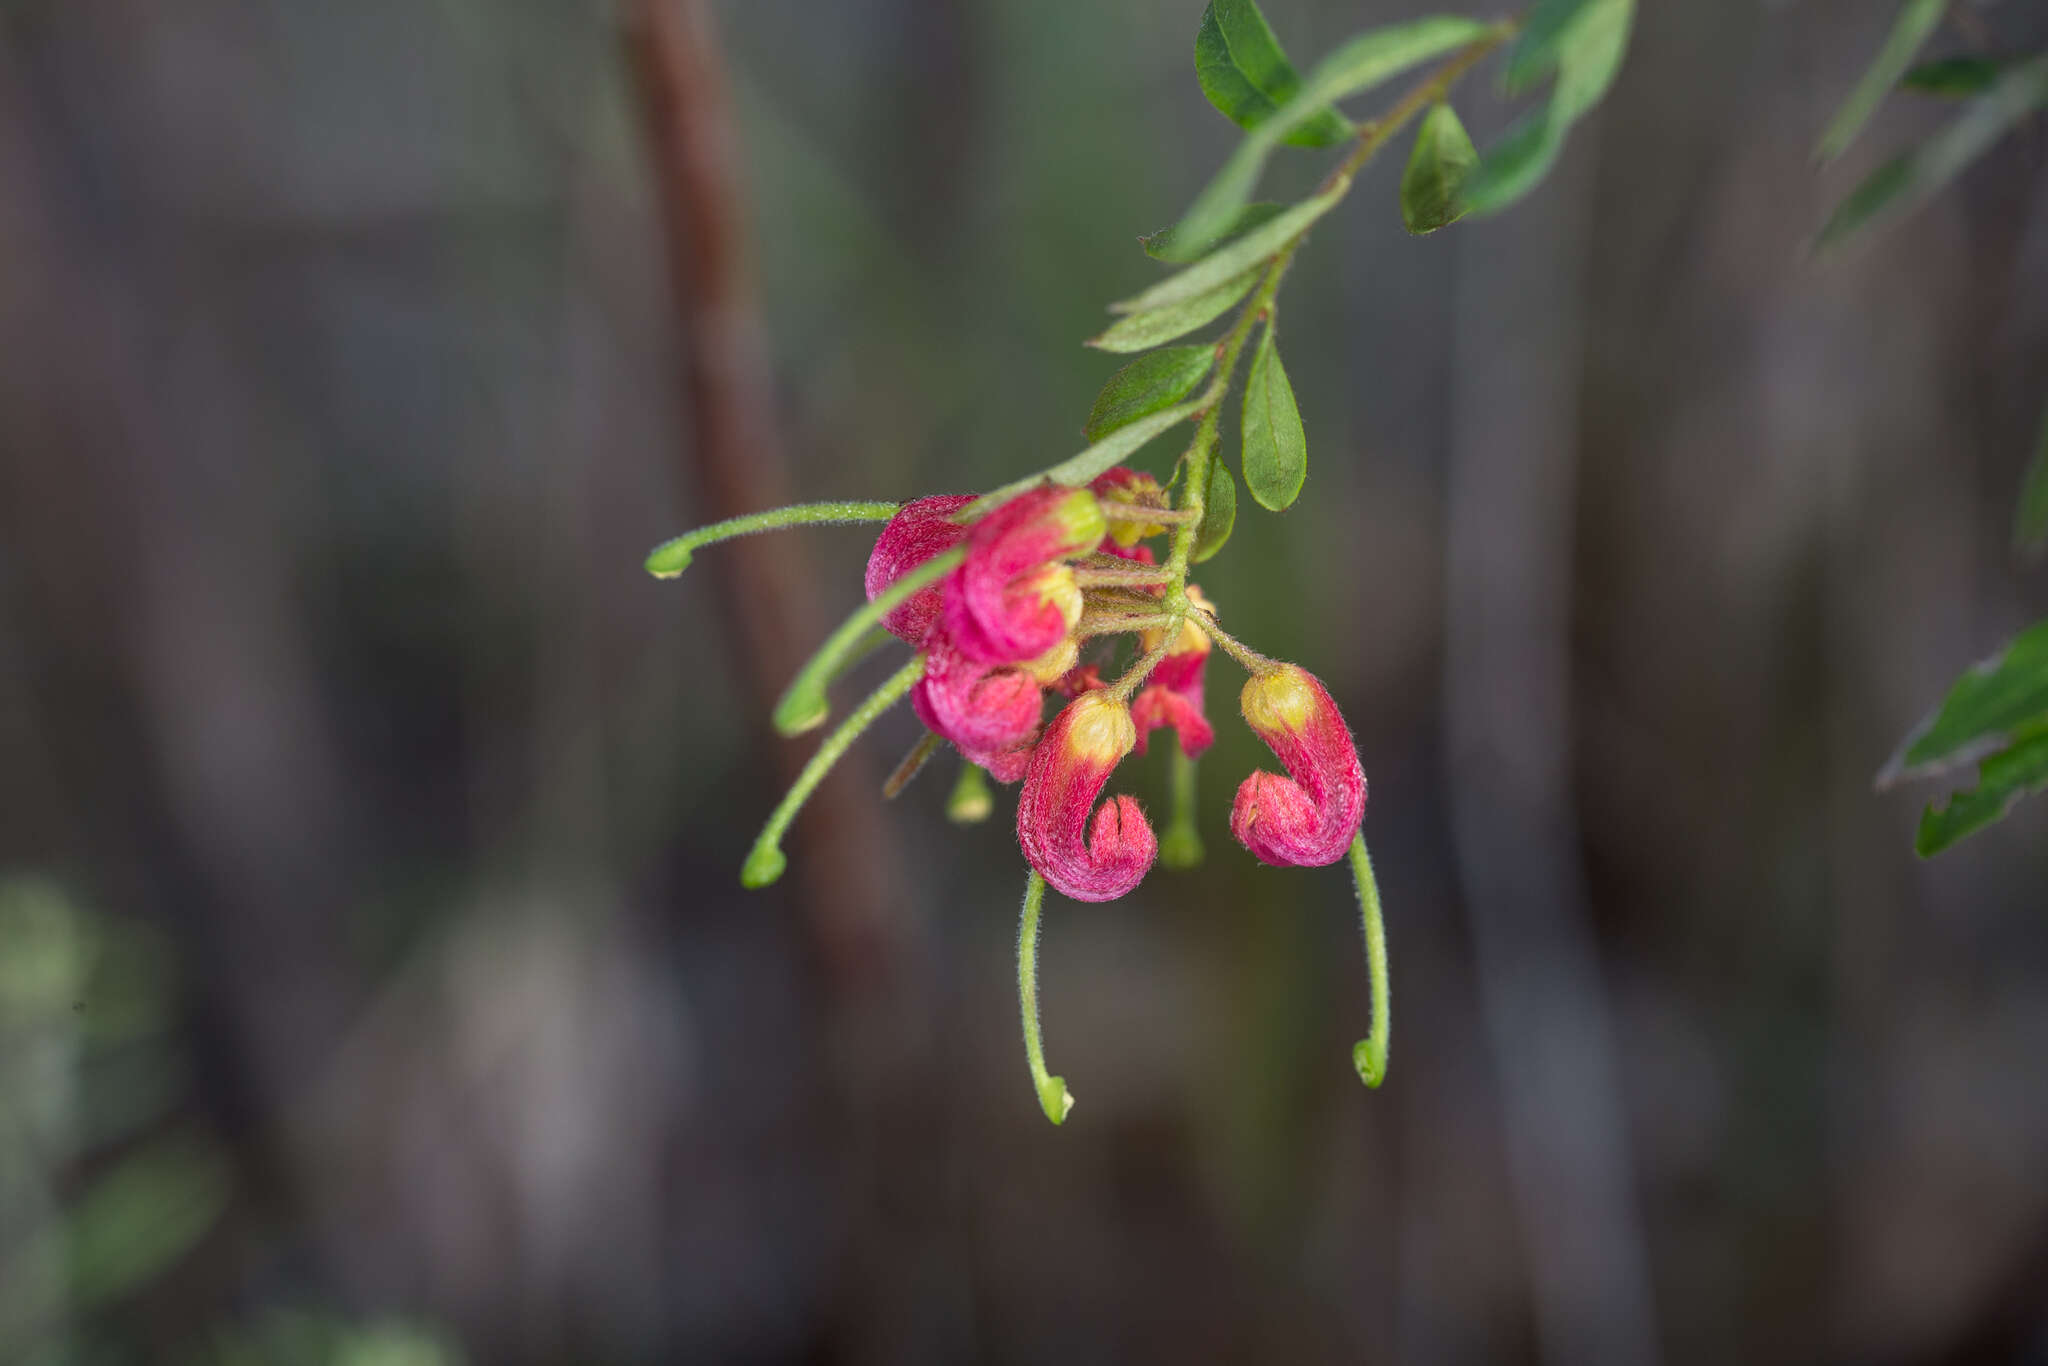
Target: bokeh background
[375, 984]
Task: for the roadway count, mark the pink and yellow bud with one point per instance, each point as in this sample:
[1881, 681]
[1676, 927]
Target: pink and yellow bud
[1172, 695]
[1096, 857]
[1126, 496]
[918, 531]
[1306, 819]
[1014, 598]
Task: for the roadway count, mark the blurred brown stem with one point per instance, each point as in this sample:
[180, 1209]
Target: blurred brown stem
[771, 613]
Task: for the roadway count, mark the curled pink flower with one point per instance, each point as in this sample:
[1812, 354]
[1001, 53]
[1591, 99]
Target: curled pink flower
[1015, 598]
[917, 532]
[1088, 859]
[1306, 819]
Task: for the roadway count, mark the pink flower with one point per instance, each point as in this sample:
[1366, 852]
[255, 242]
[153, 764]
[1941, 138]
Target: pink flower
[1088, 860]
[917, 532]
[1015, 598]
[1308, 818]
[990, 713]
[1172, 695]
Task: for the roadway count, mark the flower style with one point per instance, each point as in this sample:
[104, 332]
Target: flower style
[1015, 598]
[1308, 818]
[1088, 860]
[917, 532]
[1172, 695]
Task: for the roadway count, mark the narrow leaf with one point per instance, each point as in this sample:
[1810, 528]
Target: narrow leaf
[1586, 46]
[1275, 447]
[1917, 19]
[2030, 521]
[1076, 470]
[1442, 158]
[1954, 77]
[2002, 780]
[1248, 252]
[1219, 511]
[1173, 246]
[1513, 166]
[1907, 181]
[1363, 62]
[1544, 35]
[1247, 77]
[1144, 330]
[1146, 385]
[1987, 708]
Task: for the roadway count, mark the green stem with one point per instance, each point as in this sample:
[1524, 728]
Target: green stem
[766, 861]
[804, 706]
[1053, 1096]
[911, 765]
[1369, 1054]
[1180, 847]
[671, 558]
[970, 801]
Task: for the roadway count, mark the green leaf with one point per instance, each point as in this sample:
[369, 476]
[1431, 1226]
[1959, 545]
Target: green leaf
[1144, 330]
[1952, 76]
[2030, 520]
[1077, 470]
[1907, 181]
[1247, 253]
[1275, 447]
[2002, 780]
[142, 1216]
[1363, 62]
[1545, 34]
[1917, 19]
[1173, 246]
[1146, 385]
[1585, 42]
[1442, 158]
[1219, 511]
[1513, 166]
[1989, 707]
[1247, 77]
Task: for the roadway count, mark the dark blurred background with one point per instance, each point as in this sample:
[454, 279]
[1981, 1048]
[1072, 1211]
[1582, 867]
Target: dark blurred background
[375, 984]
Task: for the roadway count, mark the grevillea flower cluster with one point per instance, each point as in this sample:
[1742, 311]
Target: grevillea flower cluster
[1015, 605]
[1051, 626]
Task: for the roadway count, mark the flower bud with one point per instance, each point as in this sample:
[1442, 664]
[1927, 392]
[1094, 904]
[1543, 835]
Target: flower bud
[1014, 599]
[1096, 859]
[917, 532]
[1308, 818]
[1172, 695]
[1126, 495]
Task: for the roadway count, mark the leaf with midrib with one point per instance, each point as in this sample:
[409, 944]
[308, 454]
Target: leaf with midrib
[1275, 457]
[1146, 385]
[1917, 19]
[1585, 41]
[1442, 158]
[1247, 253]
[1247, 77]
[1991, 704]
[1359, 64]
[2002, 779]
[1173, 246]
[1907, 181]
[1146, 329]
[1219, 511]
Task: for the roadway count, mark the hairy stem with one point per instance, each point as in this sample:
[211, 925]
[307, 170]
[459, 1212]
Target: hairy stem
[1053, 1096]
[1369, 1054]
[766, 861]
[672, 557]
